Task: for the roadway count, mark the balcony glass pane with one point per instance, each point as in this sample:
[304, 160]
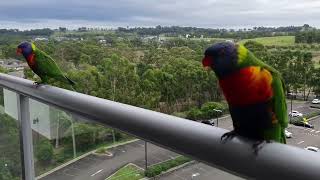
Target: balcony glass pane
[10, 154]
[66, 146]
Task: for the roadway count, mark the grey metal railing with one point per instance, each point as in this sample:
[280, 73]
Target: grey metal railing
[196, 140]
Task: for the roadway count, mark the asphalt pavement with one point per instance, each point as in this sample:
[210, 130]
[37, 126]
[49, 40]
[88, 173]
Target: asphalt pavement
[99, 167]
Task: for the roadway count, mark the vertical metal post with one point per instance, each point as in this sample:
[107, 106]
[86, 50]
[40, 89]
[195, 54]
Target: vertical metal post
[217, 111]
[25, 138]
[57, 130]
[291, 106]
[146, 154]
[73, 141]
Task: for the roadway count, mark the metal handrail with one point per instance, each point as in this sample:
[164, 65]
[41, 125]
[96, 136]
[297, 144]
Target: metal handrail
[196, 140]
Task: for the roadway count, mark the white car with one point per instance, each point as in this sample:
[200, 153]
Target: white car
[287, 133]
[315, 101]
[295, 114]
[312, 148]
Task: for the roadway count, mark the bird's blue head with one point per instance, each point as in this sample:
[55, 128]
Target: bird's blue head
[25, 48]
[221, 58]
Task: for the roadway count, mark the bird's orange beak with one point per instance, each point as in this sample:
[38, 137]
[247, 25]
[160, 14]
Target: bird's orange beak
[207, 62]
[19, 51]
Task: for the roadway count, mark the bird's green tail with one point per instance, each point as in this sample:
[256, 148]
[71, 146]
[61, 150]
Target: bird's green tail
[283, 137]
[70, 81]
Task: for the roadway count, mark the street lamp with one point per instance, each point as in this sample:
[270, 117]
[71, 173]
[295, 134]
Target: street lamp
[291, 95]
[217, 111]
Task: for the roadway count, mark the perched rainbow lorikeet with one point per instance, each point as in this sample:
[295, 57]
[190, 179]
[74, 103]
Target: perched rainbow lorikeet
[255, 92]
[42, 64]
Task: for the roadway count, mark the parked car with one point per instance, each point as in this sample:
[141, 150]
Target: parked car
[209, 122]
[312, 148]
[315, 101]
[295, 114]
[287, 133]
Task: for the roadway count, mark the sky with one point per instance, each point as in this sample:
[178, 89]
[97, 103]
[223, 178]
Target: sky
[31, 14]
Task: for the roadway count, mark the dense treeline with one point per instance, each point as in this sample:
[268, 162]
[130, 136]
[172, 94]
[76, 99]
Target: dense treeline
[217, 33]
[32, 32]
[312, 36]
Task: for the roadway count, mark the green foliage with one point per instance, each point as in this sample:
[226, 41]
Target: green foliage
[164, 166]
[254, 46]
[44, 151]
[64, 155]
[128, 172]
[101, 150]
[208, 111]
[276, 40]
[195, 114]
[309, 36]
[9, 148]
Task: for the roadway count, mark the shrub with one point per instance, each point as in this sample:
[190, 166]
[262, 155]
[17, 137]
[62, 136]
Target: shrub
[194, 114]
[164, 166]
[208, 112]
[44, 151]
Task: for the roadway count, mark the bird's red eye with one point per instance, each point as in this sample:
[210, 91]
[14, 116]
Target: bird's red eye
[207, 61]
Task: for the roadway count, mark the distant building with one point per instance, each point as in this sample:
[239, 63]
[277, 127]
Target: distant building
[41, 39]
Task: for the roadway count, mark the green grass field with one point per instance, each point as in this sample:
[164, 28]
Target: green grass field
[128, 172]
[276, 40]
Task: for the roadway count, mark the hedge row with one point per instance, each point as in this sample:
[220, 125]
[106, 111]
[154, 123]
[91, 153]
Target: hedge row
[164, 166]
[207, 111]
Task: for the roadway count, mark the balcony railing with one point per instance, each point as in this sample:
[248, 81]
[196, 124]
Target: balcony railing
[196, 140]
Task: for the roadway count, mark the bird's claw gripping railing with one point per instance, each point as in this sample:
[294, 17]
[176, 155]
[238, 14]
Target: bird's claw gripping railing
[196, 140]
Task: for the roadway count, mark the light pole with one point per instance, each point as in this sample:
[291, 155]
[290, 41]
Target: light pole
[217, 111]
[291, 96]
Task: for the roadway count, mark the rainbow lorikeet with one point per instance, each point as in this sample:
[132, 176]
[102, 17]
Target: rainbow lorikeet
[255, 92]
[42, 64]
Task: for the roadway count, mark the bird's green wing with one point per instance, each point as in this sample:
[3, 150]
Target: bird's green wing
[280, 105]
[46, 66]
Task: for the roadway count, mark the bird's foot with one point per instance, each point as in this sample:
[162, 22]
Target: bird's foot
[228, 136]
[37, 83]
[257, 146]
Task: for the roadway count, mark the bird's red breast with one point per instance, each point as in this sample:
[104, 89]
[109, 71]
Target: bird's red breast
[247, 86]
[31, 60]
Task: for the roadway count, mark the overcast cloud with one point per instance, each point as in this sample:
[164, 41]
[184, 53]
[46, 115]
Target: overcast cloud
[27, 14]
